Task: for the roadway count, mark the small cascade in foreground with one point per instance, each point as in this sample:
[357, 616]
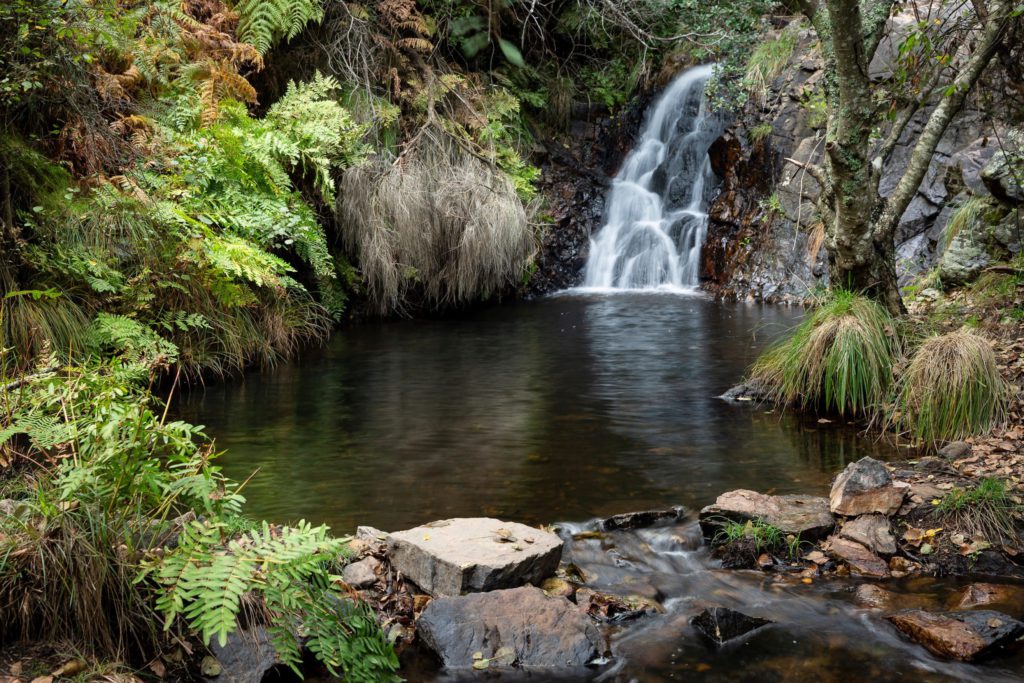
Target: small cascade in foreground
[656, 216]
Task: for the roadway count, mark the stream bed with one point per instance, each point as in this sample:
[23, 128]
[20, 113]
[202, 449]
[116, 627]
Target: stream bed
[563, 410]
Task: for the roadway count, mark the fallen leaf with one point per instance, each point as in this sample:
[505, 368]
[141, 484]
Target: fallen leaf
[69, 669]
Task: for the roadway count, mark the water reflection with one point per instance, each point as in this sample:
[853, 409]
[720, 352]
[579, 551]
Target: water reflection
[566, 408]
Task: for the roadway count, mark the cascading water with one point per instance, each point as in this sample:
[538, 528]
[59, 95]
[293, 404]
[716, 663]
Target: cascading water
[656, 217]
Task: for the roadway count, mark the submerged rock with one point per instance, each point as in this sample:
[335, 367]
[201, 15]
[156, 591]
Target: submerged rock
[721, 624]
[753, 390]
[465, 555]
[514, 627]
[640, 520]
[872, 532]
[805, 516]
[1006, 596]
[967, 636]
[865, 487]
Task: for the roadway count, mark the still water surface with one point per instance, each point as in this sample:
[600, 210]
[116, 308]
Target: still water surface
[563, 410]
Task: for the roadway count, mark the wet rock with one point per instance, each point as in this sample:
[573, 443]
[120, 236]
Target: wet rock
[640, 520]
[870, 596]
[754, 390]
[361, 574]
[614, 609]
[1006, 596]
[860, 559]
[873, 596]
[465, 555]
[871, 531]
[967, 635]
[541, 631]
[369, 533]
[955, 450]
[805, 516]
[865, 487]
[246, 658]
[721, 624]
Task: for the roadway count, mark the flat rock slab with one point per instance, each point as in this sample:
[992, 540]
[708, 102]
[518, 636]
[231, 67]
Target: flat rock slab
[865, 487]
[860, 559]
[469, 555]
[721, 624]
[967, 636]
[514, 627]
[805, 516]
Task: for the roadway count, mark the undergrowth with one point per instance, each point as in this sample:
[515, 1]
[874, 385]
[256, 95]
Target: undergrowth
[987, 510]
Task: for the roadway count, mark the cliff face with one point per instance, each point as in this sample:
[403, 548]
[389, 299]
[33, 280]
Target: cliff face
[764, 239]
[577, 168]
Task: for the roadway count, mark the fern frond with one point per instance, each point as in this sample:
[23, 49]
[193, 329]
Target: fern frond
[262, 23]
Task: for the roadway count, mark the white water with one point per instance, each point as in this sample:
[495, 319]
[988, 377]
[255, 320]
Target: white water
[656, 217]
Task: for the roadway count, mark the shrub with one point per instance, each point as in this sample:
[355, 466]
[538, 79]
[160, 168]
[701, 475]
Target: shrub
[839, 358]
[951, 389]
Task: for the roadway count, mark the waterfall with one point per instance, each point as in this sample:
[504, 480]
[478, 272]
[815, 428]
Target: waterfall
[656, 216]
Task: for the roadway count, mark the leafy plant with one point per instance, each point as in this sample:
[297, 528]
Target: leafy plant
[263, 23]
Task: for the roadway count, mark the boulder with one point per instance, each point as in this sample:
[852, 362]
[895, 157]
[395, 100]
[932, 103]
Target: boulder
[1003, 175]
[872, 532]
[955, 450]
[804, 516]
[865, 487]
[639, 520]
[967, 636]
[1006, 596]
[246, 658]
[466, 555]
[753, 390]
[513, 627]
[860, 559]
[361, 574]
[721, 624]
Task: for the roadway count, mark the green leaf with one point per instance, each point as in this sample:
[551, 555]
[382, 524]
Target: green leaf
[511, 52]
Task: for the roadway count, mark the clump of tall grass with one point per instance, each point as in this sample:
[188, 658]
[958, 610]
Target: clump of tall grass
[840, 358]
[766, 62]
[440, 223]
[965, 217]
[951, 389]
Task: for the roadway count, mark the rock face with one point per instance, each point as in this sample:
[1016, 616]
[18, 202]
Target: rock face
[872, 532]
[456, 556]
[720, 624]
[860, 559]
[805, 516]
[246, 658]
[959, 635]
[520, 626]
[1004, 174]
[763, 241]
[865, 487]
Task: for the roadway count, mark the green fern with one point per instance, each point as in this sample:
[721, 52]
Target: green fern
[205, 578]
[263, 23]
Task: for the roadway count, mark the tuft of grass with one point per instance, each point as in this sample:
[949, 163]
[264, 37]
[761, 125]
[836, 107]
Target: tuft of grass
[966, 216]
[951, 389]
[838, 359]
[764, 535]
[986, 510]
[760, 132]
[766, 62]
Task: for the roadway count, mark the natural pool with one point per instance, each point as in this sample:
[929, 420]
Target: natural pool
[562, 410]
